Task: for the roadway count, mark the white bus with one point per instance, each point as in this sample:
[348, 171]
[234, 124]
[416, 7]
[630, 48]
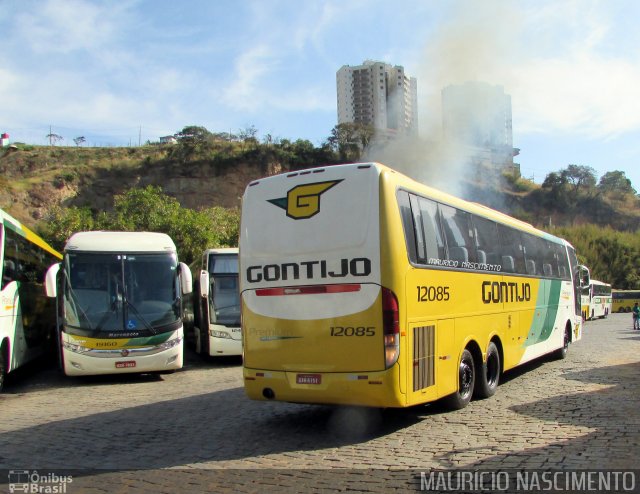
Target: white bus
[599, 299]
[27, 317]
[217, 304]
[120, 303]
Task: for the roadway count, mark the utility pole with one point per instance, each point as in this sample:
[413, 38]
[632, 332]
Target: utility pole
[140, 136]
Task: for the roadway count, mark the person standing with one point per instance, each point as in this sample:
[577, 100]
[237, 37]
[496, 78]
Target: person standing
[636, 316]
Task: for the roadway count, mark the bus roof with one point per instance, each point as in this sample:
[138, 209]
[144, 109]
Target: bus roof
[103, 241]
[12, 223]
[222, 250]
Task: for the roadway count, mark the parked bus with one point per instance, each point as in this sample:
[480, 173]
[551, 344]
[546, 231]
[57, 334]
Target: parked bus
[599, 302]
[360, 286]
[27, 317]
[623, 300]
[119, 300]
[217, 304]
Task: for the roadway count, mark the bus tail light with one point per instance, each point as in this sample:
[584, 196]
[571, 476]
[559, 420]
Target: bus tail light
[391, 327]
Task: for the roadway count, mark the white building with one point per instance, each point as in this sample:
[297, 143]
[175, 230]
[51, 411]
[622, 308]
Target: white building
[380, 95]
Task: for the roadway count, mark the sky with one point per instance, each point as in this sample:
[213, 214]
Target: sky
[127, 72]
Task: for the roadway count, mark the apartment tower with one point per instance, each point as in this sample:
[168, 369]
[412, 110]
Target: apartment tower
[379, 95]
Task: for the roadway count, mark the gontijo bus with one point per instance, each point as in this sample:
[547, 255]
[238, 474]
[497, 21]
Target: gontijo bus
[361, 286]
[217, 304]
[120, 303]
[27, 317]
[599, 299]
[623, 300]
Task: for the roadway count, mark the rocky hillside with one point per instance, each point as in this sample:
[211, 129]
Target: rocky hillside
[34, 179]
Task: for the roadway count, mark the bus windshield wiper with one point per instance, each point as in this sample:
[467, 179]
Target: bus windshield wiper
[133, 308]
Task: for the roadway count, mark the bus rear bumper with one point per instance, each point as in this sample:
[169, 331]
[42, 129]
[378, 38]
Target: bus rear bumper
[77, 364]
[374, 389]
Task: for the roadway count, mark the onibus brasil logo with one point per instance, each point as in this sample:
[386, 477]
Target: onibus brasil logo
[303, 201]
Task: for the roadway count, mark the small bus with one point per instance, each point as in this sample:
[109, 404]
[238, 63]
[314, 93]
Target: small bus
[360, 286]
[119, 298]
[217, 304]
[599, 302]
[623, 300]
[27, 316]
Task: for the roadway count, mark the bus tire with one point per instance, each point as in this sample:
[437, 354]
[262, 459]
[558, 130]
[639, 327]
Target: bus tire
[489, 374]
[466, 383]
[562, 352]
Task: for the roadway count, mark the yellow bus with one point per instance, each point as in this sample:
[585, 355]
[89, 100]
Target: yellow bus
[360, 286]
[623, 300]
[27, 317]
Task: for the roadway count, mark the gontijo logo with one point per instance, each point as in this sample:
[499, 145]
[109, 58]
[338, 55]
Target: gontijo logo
[303, 201]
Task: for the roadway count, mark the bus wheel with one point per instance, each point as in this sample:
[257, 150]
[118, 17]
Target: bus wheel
[466, 383]
[562, 353]
[489, 374]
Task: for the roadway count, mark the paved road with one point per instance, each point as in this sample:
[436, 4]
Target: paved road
[195, 430]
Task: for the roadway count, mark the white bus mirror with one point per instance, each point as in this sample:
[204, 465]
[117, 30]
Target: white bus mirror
[585, 276]
[186, 280]
[204, 284]
[51, 280]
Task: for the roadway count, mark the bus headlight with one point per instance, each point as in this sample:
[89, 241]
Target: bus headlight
[170, 343]
[72, 347]
[220, 334]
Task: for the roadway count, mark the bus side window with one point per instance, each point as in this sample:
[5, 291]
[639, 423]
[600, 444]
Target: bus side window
[511, 247]
[486, 234]
[531, 266]
[407, 223]
[459, 234]
[433, 238]
[419, 230]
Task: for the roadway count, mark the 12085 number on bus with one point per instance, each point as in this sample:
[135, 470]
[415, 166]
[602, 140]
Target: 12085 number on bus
[352, 331]
[433, 293]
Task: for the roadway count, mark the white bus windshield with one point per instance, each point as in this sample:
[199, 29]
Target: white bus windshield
[121, 293]
[225, 295]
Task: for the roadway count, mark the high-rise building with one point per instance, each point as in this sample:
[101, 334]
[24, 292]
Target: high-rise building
[478, 115]
[379, 95]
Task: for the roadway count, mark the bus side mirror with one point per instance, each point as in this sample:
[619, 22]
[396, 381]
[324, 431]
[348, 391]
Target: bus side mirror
[585, 276]
[51, 280]
[186, 280]
[204, 284]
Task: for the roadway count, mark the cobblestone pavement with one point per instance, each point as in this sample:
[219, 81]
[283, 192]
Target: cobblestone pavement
[196, 431]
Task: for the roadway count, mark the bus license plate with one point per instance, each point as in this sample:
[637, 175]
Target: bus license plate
[308, 379]
[125, 365]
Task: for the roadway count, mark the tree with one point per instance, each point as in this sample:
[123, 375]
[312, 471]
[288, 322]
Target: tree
[194, 142]
[581, 178]
[349, 139]
[615, 182]
[79, 140]
[248, 135]
[54, 138]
